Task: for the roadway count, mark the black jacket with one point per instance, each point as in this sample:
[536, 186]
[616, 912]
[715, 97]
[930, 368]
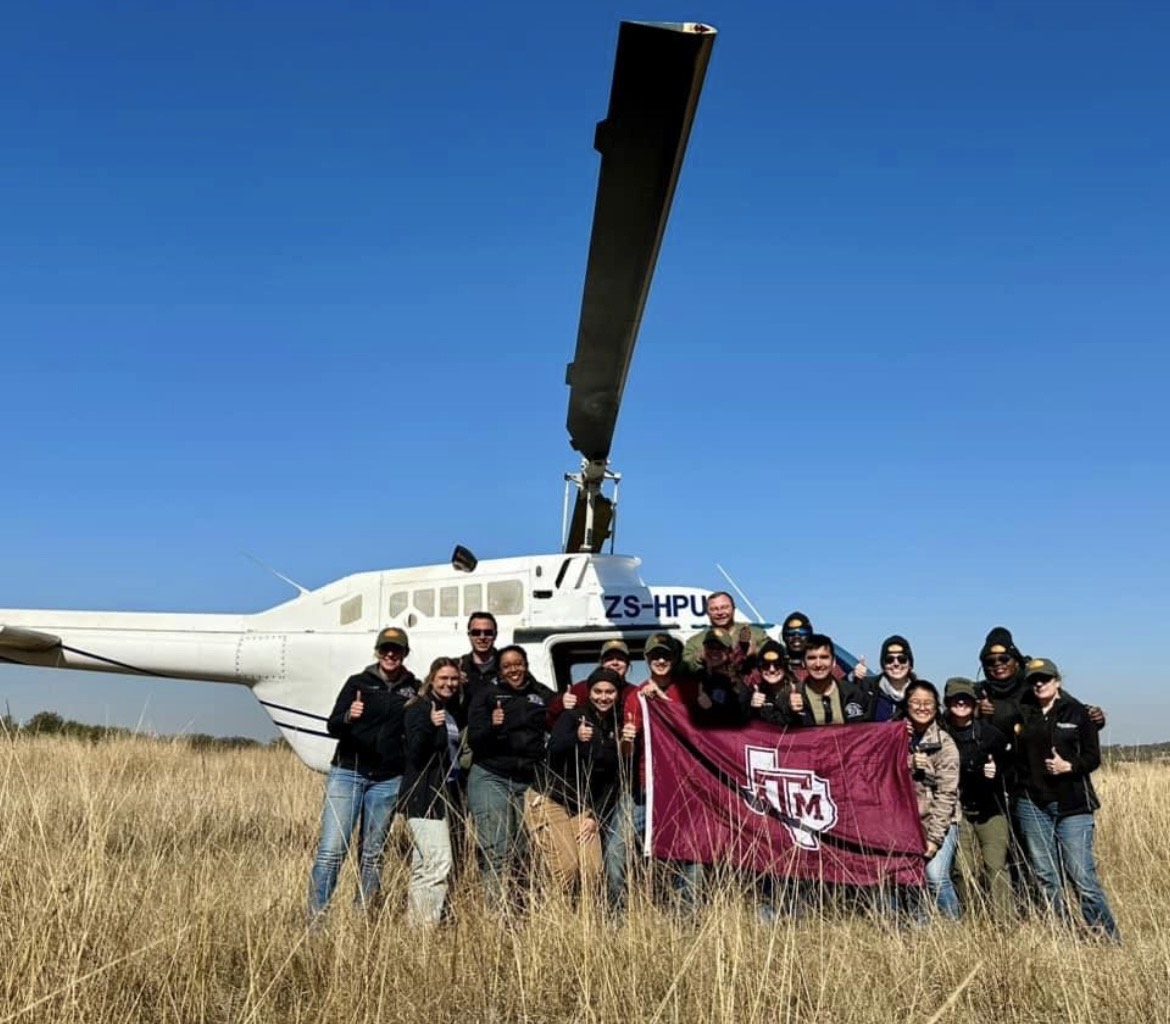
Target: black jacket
[1009, 698]
[374, 745]
[1067, 730]
[514, 749]
[583, 776]
[730, 701]
[475, 677]
[981, 798]
[1005, 697]
[774, 696]
[429, 790]
[854, 706]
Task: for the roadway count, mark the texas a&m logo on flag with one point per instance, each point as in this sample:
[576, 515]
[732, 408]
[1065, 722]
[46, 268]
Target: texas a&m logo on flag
[802, 799]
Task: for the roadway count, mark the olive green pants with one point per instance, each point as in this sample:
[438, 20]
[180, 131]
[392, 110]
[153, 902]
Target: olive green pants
[984, 882]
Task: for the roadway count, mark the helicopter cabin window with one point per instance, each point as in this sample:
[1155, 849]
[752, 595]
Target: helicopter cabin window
[449, 601]
[398, 602]
[574, 659]
[424, 601]
[505, 597]
[351, 610]
[472, 598]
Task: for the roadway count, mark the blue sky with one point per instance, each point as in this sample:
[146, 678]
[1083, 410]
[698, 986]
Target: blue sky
[302, 280]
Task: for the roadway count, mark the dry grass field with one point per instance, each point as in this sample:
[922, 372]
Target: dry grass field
[140, 881]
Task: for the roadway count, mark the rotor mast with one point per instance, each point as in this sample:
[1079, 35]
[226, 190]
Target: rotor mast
[588, 483]
[658, 75]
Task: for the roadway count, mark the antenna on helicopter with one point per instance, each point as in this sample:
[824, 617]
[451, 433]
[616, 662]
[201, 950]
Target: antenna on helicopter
[279, 575]
[657, 77]
[735, 586]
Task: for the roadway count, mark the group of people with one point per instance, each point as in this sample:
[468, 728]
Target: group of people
[1001, 767]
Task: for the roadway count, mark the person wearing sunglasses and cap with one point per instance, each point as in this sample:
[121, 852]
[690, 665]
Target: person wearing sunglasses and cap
[626, 827]
[1003, 678]
[795, 635]
[984, 831]
[367, 766]
[1001, 694]
[770, 684]
[1059, 750]
[887, 691]
[666, 681]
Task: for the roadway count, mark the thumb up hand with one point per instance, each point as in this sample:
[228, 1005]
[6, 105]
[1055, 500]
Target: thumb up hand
[584, 730]
[569, 701]
[498, 714]
[629, 729]
[989, 769]
[356, 708]
[438, 715]
[861, 669]
[796, 701]
[757, 697]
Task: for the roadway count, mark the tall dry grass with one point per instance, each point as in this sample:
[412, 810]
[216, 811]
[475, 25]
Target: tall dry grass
[142, 882]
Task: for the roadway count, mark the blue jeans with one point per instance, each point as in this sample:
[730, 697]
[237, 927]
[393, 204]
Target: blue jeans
[622, 835]
[349, 795]
[1065, 844]
[938, 875]
[686, 880]
[496, 804]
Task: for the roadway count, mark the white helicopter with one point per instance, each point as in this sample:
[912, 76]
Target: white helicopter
[560, 607]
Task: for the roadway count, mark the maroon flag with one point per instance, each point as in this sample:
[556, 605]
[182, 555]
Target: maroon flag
[833, 802]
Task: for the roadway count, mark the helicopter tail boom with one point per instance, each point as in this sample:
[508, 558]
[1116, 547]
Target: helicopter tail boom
[176, 646]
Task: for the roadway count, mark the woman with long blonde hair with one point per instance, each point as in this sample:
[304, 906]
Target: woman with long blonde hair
[432, 788]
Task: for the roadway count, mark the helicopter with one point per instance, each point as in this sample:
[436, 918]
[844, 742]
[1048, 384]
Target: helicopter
[560, 607]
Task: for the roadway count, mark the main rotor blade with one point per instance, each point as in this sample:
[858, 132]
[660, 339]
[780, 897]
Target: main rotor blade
[657, 76]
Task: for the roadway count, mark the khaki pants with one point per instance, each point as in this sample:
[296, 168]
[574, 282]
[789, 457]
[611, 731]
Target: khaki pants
[553, 833]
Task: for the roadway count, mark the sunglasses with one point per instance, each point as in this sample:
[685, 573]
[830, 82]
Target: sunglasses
[1042, 680]
[772, 666]
[481, 632]
[797, 632]
[390, 652]
[896, 659]
[998, 659]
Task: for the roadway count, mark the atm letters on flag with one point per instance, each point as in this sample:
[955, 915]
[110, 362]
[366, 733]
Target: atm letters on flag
[831, 803]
